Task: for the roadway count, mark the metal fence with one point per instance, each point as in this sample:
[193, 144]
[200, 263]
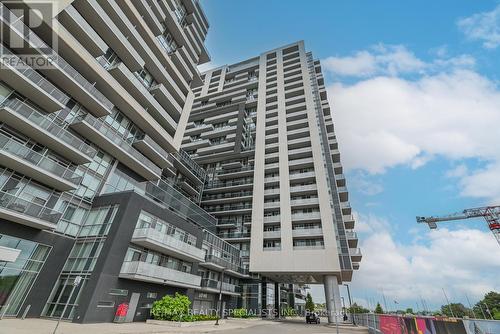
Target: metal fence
[408, 324]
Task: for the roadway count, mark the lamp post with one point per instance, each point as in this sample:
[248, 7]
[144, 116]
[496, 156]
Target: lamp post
[350, 305]
[219, 311]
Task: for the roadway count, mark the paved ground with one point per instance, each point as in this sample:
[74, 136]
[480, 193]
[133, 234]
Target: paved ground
[40, 326]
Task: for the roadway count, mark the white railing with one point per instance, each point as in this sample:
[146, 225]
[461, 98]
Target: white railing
[155, 273]
[307, 232]
[169, 242]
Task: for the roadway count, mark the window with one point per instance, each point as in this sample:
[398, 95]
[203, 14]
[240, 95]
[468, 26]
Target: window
[118, 292]
[167, 41]
[105, 304]
[109, 59]
[145, 78]
[152, 295]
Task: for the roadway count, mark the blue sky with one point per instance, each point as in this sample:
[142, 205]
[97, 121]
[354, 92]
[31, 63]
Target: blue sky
[416, 102]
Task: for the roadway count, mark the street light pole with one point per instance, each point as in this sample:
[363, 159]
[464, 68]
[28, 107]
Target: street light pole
[219, 311]
[76, 283]
[350, 305]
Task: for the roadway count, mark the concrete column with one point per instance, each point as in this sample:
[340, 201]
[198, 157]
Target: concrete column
[263, 298]
[332, 297]
[277, 300]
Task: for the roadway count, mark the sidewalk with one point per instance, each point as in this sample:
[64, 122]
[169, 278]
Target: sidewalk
[42, 326]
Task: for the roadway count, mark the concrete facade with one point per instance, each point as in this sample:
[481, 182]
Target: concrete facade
[263, 130]
[101, 206]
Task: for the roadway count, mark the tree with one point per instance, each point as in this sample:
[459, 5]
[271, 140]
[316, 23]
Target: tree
[309, 303]
[357, 309]
[459, 310]
[378, 309]
[491, 302]
[409, 310]
[173, 308]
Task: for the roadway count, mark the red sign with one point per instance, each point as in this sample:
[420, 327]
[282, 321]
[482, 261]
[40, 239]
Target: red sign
[122, 310]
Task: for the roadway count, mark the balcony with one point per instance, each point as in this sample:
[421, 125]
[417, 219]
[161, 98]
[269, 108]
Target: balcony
[306, 217]
[300, 153]
[343, 194]
[228, 185]
[196, 144]
[272, 219]
[198, 129]
[243, 171]
[172, 199]
[355, 254]
[216, 148]
[57, 69]
[272, 234]
[30, 83]
[302, 190]
[151, 273]
[272, 205]
[112, 142]
[185, 164]
[217, 263]
[231, 208]
[141, 93]
[308, 176]
[307, 232]
[167, 244]
[352, 239]
[26, 119]
[272, 249]
[147, 146]
[214, 286]
[166, 99]
[20, 158]
[301, 163]
[346, 208]
[234, 236]
[304, 203]
[348, 221]
[309, 247]
[26, 213]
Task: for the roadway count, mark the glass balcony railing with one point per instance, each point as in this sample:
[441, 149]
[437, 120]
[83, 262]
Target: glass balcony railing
[169, 242]
[15, 148]
[112, 135]
[232, 235]
[186, 160]
[173, 199]
[214, 284]
[152, 272]
[46, 124]
[36, 78]
[19, 205]
[17, 24]
[227, 264]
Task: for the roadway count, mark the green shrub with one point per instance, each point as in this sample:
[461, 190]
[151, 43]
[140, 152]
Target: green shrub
[173, 308]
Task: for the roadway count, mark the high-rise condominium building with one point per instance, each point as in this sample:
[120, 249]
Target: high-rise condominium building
[263, 131]
[99, 206]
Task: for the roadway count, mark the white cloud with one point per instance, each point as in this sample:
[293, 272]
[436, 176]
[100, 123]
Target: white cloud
[391, 60]
[387, 121]
[483, 27]
[426, 266]
[483, 183]
[363, 184]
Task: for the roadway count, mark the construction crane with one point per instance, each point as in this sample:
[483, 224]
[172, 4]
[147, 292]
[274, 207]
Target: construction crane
[490, 213]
